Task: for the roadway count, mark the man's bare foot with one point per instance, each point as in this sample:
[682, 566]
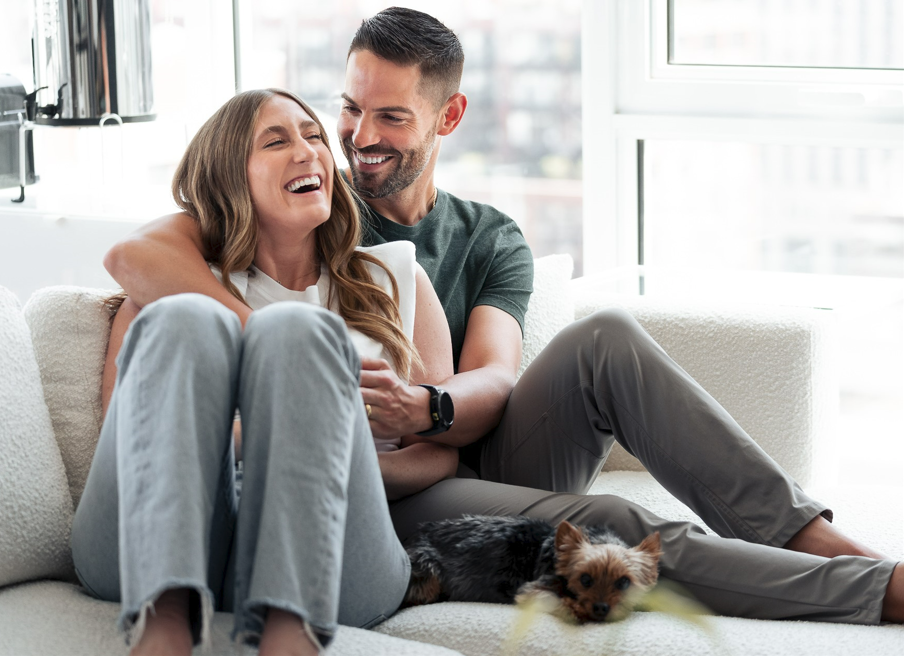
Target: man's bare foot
[167, 631]
[821, 538]
[893, 604]
[284, 635]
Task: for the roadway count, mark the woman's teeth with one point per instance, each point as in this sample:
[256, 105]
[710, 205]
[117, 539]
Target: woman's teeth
[303, 183]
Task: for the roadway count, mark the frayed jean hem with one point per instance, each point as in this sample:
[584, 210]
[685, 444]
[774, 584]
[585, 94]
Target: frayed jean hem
[133, 620]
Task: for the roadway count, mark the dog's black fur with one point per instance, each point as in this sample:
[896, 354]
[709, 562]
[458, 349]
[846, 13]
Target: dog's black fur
[488, 559]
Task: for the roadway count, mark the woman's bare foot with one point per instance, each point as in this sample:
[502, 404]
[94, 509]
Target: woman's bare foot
[284, 635]
[167, 631]
[821, 538]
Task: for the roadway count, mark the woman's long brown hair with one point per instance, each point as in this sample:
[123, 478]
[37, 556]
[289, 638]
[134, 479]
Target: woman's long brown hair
[211, 185]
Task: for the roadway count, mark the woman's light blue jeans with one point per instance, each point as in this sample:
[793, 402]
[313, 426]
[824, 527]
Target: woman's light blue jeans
[311, 533]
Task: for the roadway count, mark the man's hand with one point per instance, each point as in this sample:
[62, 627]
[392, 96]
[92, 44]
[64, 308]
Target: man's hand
[396, 408]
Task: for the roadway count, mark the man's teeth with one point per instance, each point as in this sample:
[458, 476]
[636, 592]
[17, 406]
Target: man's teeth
[371, 160]
[313, 181]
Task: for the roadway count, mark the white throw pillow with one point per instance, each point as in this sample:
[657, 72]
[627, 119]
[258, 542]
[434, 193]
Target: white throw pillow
[70, 328]
[551, 306]
[35, 505]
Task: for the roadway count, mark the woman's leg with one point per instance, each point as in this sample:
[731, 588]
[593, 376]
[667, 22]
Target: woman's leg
[314, 534]
[158, 508]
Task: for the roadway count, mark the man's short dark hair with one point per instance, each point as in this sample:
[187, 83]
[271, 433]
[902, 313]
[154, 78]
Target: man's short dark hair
[407, 37]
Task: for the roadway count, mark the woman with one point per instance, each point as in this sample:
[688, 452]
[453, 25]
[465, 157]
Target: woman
[159, 526]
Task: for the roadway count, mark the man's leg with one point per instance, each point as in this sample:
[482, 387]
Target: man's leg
[603, 378]
[731, 577]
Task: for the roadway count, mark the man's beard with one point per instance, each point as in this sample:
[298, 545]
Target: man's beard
[407, 167]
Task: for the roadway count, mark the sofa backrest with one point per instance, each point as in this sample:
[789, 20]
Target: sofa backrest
[70, 328]
[35, 506]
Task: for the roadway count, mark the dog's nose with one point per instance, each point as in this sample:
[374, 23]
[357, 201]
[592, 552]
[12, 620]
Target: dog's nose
[600, 610]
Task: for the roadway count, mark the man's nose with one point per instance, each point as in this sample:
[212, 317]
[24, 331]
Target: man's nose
[365, 133]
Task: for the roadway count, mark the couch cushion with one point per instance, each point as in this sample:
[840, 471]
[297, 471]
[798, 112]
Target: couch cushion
[551, 307]
[48, 618]
[35, 506]
[480, 629]
[70, 328]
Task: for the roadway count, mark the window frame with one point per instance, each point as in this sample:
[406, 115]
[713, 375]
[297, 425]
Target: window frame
[629, 97]
[659, 16]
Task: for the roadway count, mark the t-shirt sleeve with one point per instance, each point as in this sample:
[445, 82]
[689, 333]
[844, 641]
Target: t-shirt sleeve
[510, 279]
[399, 257]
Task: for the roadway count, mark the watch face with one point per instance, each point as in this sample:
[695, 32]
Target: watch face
[446, 407]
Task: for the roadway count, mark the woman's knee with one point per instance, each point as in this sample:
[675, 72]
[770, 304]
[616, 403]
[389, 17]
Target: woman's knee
[282, 326]
[181, 330]
[191, 316]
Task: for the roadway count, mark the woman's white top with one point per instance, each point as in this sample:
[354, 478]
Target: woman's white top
[261, 290]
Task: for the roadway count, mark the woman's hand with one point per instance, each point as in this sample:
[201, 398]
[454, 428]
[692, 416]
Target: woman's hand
[396, 408]
[416, 466]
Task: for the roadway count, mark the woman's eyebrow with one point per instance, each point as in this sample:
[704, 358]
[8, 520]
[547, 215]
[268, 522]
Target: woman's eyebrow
[281, 130]
[273, 129]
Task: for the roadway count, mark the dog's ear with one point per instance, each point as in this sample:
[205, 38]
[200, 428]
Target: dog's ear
[651, 545]
[568, 537]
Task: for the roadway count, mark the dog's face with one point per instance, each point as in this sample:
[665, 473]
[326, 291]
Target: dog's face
[602, 575]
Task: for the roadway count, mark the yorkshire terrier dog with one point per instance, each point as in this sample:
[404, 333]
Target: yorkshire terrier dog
[586, 571]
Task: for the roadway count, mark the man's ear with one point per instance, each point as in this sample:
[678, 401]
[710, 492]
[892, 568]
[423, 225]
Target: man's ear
[452, 113]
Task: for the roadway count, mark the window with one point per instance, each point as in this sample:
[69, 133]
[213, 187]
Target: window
[756, 151]
[857, 35]
[519, 146]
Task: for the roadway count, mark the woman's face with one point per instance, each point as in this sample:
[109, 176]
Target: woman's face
[290, 170]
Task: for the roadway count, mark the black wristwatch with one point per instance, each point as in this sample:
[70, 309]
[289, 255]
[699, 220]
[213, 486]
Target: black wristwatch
[442, 411]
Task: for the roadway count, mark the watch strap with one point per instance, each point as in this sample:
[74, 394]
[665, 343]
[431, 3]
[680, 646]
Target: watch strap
[441, 423]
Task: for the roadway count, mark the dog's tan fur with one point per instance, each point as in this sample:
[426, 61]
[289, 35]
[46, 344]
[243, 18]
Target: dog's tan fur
[606, 564]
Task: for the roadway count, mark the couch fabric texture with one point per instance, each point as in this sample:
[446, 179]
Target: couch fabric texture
[35, 506]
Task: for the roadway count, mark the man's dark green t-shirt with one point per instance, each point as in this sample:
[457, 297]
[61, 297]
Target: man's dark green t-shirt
[473, 254]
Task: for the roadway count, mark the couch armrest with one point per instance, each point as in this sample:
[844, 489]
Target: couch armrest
[772, 368]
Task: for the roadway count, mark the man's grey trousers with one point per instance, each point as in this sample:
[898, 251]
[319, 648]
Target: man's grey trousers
[603, 379]
[311, 533]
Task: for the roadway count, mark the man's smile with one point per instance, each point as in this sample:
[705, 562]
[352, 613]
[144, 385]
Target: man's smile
[371, 159]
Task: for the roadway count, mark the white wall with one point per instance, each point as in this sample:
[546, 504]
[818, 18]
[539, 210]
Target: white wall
[37, 250]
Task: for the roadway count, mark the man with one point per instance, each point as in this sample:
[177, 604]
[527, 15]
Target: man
[602, 379]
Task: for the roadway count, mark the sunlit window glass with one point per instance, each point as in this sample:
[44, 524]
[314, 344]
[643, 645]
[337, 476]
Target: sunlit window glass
[519, 146]
[805, 33]
[775, 207]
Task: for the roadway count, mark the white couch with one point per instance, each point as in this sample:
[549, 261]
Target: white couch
[770, 367]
